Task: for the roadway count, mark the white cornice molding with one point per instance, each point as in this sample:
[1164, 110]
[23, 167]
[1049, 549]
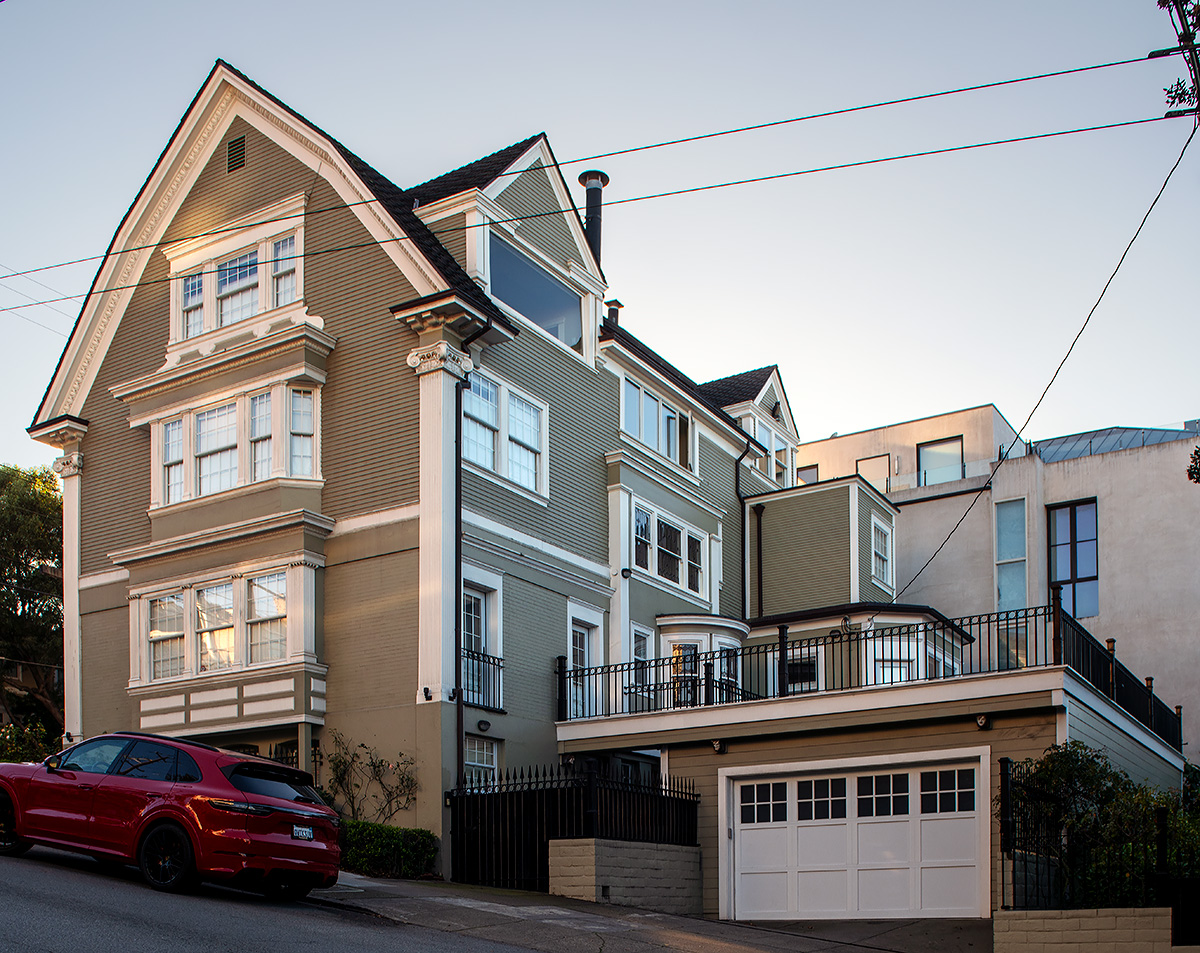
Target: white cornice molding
[228, 533]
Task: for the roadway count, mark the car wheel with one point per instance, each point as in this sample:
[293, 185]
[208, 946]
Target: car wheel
[165, 857]
[10, 844]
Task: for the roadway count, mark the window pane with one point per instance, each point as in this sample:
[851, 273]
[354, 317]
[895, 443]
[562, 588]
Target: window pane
[695, 562]
[641, 534]
[1010, 530]
[670, 539]
[1087, 600]
[531, 290]
[940, 462]
[1060, 562]
[302, 455]
[268, 596]
[1010, 586]
[1085, 521]
[669, 435]
[473, 624]
[148, 761]
[217, 471]
[166, 616]
[481, 401]
[302, 411]
[268, 641]
[524, 422]
[1085, 559]
[237, 288]
[633, 408]
[479, 444]
[216, 428]
[283, 268]
[1060, 525]
[522, 466]
[214, 606]
[260, 416]
[650, 421]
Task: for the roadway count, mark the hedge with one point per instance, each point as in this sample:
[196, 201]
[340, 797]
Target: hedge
[378, 850]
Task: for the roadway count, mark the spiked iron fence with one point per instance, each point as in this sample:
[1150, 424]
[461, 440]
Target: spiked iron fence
[501, 829]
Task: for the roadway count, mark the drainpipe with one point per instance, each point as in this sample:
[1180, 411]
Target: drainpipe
[459, 707]
[737, 491]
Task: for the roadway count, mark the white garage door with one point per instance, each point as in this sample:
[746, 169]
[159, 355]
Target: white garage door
[885, 842]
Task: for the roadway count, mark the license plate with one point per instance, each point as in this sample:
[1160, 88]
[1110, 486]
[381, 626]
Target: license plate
[301, 833]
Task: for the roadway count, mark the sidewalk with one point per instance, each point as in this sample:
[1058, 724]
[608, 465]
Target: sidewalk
[537, 921]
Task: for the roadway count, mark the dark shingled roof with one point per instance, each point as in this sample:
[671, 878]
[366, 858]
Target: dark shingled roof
[475, 175]
[1105, 441]
[739, 387]
[618, 335]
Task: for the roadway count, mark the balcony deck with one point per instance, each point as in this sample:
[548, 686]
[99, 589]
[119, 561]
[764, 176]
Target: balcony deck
[1038, 637]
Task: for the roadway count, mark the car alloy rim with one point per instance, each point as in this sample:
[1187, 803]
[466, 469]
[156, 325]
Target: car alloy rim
[164, 856]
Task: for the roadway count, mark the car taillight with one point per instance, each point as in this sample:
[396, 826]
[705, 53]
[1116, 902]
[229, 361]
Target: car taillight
[240, 807]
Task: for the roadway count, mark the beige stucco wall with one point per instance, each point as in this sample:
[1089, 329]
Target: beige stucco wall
[660, 877]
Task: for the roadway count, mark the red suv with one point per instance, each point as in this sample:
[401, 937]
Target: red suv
[180, 810]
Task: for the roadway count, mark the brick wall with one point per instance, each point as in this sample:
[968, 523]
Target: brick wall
[1084, 931]
[661, 877]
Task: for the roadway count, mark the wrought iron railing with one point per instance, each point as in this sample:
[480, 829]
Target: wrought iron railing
[482, 680]
[926, 651]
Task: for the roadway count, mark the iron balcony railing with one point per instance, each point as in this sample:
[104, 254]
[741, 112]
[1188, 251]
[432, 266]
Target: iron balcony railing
[927, 651]
[482, 680]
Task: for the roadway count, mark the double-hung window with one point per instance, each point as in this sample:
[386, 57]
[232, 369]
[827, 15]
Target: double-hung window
[654, 423]
[479, 762]
[1010, 555]
[666, 549]
[504, 432]
[283, 271]
[881, 552]
[231, 444]
[218, 625]
[192, 294]
[237, 289]
[1074, 558]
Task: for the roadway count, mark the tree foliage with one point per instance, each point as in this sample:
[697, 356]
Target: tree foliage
[1185, 15]
[1193, 470]
[31, 614]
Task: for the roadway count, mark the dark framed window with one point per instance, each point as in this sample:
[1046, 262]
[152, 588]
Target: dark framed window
[1074, 556]
[883, 795]
[948, 791]
[764, 803]
[820, 799]
[940, 461]
[806, 475]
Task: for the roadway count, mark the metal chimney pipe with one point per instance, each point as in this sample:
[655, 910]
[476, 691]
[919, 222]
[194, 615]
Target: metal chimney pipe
[614, 312]
[593, 180]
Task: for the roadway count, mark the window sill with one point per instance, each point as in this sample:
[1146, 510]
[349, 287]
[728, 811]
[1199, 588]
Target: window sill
[496, 478]
[295, 314]
[234, 492]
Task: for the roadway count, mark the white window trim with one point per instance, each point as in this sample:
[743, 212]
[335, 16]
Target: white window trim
[499, 475]
[671, 404]
[254, 232]
[491, 586]
[493, 768]
[301, 620]
[1023, 558]
[593, 618]
[589, 301]
[635, 629]
[650, 574]
[280, 391]
[890, 582]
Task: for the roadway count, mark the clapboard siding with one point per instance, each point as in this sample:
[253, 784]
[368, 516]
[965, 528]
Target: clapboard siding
[868, 589]
[452, 233]
[532, 194]
[806, 553]
[716, 469]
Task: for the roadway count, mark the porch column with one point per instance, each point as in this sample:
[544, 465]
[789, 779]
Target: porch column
[70, 468]
[440, 366]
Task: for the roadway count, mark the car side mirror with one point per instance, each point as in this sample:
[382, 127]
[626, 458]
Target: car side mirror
[53, 762]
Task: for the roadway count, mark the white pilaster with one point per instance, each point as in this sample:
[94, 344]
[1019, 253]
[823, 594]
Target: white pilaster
[70, 468]
[620, 556]
[439, 366]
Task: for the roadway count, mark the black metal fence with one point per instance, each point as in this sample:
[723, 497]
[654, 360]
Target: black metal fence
[501, 830]
[482, 679]
[875, 656]
[1048, 863]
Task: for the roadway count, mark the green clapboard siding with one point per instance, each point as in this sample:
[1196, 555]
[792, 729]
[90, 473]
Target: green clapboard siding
[583, 427]
[769, 399]
[452, 233]
[717, 488]
[806, 553]
[532, 194]
[868, 589]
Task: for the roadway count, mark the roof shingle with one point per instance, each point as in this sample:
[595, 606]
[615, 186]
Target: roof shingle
[738, 388]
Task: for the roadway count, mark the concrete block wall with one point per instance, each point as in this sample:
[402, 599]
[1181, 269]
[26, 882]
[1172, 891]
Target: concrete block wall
[661, 877]
[1124, 930]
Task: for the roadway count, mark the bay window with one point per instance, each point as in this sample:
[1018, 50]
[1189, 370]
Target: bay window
[231, 444]
[214, 626]
[166, 636]
[267, 617]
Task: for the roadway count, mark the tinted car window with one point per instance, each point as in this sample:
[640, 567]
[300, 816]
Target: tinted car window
[187, 770]
[253, 779]
[93, 756]
[148, 760]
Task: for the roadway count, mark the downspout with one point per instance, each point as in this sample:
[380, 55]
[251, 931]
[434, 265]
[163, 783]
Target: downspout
[737, 491]
[460, 741]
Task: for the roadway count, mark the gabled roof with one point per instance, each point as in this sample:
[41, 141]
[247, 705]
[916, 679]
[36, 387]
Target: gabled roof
[1095, 442]
[399, 205]
[474, 175]
[738, 388]
[618, 335]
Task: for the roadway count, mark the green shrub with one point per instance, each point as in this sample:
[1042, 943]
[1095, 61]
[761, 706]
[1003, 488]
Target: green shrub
[24, 744]
[378, 850]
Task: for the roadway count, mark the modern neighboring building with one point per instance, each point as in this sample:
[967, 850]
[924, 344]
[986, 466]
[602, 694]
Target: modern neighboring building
[341, 456]
[1109, 515]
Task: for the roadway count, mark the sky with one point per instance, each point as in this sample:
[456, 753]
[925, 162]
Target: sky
[885, 292]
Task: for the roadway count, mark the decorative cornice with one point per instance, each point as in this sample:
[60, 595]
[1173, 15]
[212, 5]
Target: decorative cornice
[69, 465]
[60, 432]
[440, 357]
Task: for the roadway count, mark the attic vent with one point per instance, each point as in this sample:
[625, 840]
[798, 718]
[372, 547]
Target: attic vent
[235, 156]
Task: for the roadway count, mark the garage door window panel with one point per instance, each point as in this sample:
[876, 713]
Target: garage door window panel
[883, 795]
[948, 791]
[764, 803]
[819, 799]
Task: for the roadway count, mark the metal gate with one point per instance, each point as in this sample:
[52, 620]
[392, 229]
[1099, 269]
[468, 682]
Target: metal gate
[500, 831]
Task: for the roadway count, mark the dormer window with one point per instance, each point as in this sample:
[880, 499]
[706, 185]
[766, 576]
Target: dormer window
[535, 294]
[247, 268]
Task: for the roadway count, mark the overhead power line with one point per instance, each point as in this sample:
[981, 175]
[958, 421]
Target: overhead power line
[1075, 340]
[657, 145]
[645, 198]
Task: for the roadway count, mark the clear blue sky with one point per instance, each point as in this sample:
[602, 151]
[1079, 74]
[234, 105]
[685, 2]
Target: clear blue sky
[884, 293]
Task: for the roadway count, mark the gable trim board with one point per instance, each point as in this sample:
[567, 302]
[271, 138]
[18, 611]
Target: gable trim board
[225, 96]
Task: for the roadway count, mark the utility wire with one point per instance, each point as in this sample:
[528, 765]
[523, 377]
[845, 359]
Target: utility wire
[650, 146]
[1057, 370]
[17, 661]
[645, 198]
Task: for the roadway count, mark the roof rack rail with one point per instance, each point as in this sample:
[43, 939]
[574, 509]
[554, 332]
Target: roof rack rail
[183, 741]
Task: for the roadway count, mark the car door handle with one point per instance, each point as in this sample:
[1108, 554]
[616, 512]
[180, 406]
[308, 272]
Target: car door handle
[84, 787]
